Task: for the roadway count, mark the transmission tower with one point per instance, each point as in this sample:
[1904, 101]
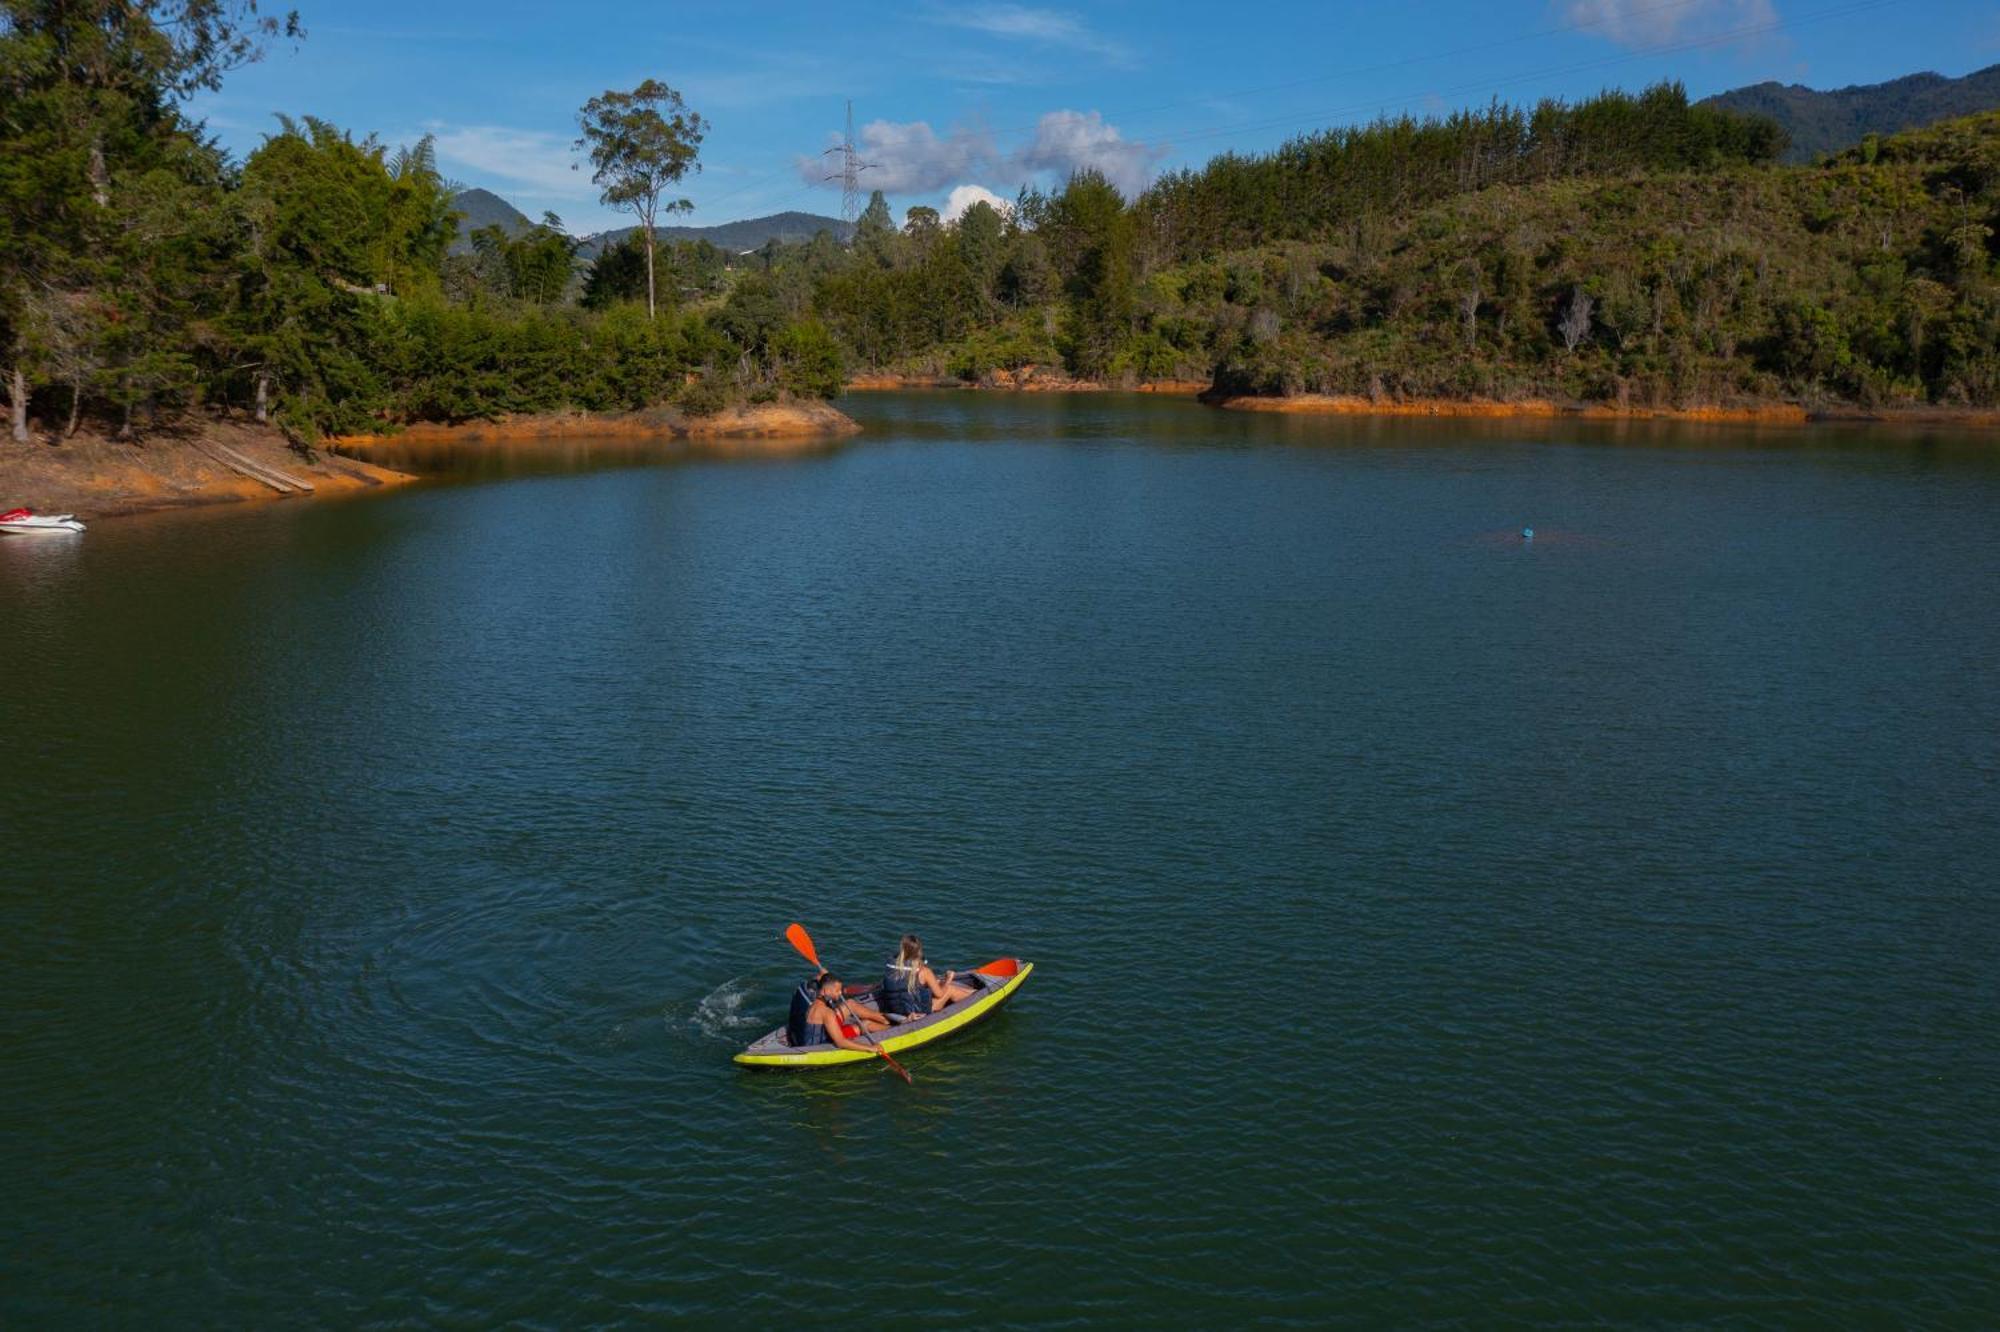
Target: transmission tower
[851, 167]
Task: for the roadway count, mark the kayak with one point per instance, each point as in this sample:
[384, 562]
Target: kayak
[996, 982]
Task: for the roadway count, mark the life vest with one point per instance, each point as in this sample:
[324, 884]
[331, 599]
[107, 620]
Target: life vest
[901, 991]
[802, 1002]
[814, 1033]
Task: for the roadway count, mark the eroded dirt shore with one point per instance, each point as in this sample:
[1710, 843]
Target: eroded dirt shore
[1774, 413]
[208, 462]
[1031, 379]
[773, 420]
[202, 462]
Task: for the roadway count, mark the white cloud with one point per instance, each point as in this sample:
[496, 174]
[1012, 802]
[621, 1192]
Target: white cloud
[1652, 22]
[533, 160]
[909, 158]
[964, 196]
[913, 158]
[1067, 141]
[1048, 27]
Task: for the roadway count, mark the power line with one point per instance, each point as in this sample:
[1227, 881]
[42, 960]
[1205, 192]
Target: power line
[1326, 116]
[851, 168]
[1580, 25]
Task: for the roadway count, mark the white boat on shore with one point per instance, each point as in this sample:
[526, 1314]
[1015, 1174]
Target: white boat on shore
[25, 522]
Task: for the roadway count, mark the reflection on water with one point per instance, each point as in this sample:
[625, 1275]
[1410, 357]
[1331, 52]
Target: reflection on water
[474, 460]
[37, 562]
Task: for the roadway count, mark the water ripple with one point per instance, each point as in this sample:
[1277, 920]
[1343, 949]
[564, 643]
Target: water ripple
[1429, 928]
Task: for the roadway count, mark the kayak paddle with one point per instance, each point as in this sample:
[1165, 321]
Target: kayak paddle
[796, 936]
[890, 1059]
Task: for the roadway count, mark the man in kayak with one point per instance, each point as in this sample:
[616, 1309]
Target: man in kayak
[808, 992]
[911, 989]
[834, 1019]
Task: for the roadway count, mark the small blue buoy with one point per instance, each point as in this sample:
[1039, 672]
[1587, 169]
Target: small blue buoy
[1527, 534]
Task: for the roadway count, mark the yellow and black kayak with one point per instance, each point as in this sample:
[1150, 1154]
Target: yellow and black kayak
[995, 983]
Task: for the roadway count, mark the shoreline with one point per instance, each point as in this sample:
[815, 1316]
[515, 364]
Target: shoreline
[779, 427]
[194, 464]
[1768, 413]
[1548, 409]
[202, 463]
[1028, 380]
[774, 421]
[1341, 404]
[215, 462]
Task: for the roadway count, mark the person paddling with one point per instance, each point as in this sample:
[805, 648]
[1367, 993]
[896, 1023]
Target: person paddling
[911, 989]
[807, 994]
[834, 1019]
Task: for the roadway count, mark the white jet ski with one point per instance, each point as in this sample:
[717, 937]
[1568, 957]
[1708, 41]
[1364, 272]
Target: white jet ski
[26, 522]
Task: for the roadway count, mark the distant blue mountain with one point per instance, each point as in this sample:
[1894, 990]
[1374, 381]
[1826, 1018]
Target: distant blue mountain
[1827, 122]
[483, 208]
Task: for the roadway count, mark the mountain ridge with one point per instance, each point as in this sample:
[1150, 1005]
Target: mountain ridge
[748, 233]
[482, 208]
[1822, 122]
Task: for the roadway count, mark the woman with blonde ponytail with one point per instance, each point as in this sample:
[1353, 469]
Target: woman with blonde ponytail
[911, 989]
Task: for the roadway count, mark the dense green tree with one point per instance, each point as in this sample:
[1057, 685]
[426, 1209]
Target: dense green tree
[640, 144]
[333, 231]
[1089, 225]
[541, 262]
[982, 235]
[875, 231]
[806, 360]
[91, 92]
[617, 274]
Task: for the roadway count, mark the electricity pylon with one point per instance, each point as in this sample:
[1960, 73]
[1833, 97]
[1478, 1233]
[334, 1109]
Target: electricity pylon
[851, 167]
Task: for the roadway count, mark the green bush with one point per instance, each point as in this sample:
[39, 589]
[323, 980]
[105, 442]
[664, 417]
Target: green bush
[807, 361]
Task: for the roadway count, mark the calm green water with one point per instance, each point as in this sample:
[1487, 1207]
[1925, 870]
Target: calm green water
[1430, 928]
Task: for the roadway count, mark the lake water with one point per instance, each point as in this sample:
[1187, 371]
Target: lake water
[1430, 926]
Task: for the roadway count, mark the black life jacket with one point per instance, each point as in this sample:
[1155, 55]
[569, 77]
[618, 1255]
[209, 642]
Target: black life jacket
[901, 991]
[795, 1021]
[821, 1032]
[813, 1033]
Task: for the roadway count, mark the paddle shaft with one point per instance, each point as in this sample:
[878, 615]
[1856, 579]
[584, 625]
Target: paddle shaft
[869, 1036]
[796, 936]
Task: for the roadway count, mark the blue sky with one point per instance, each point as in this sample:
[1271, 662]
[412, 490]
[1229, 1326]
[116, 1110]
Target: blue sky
[968, 96]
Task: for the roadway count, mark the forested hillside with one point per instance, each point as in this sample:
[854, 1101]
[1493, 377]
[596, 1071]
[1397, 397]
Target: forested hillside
[1820, 123]
[1630, 250]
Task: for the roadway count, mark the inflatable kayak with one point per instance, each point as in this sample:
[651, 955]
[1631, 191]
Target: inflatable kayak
[995, 982]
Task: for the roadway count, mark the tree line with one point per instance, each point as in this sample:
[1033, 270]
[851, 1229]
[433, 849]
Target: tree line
[1634, 249]
[143, 273]
[1628, 247]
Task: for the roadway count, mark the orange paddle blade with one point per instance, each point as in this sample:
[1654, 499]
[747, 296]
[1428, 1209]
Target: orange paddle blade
[796, 936]
[1000, 966]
